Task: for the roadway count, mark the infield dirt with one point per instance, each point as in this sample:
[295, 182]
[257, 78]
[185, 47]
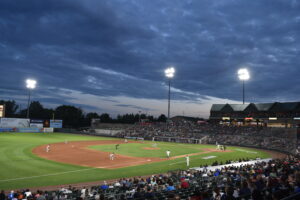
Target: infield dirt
[78, 153]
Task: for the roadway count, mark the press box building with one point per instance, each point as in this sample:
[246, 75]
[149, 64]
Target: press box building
[260, 114]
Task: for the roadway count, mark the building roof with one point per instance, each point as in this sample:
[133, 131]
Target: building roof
[274, 107]
[217, 107]
[238, 107]
[284, 107]
[263, 106]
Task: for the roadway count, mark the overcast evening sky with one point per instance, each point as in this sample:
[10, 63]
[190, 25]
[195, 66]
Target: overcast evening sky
[110, 55]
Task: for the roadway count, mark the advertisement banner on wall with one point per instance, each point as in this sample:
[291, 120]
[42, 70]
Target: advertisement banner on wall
[56, 123]
[30, 130]
[7, 130]
[14, 123]
[37, 123]
[48, 130]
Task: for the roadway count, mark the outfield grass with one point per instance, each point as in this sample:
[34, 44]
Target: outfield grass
[19, 168]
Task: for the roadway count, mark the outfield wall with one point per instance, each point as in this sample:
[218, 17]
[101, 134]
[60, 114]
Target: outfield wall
[14, 123]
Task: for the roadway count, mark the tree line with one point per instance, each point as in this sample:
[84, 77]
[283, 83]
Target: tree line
[73, 117]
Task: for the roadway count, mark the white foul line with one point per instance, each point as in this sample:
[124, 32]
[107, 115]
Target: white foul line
[54, 174]
[177, 163]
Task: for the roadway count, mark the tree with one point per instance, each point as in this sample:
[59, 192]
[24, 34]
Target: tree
[162, 118]
[36, 110]
[71, 116]
[92, 115]
[105, 118]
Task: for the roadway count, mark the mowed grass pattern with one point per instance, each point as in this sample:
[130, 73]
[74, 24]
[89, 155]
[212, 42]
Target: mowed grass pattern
[19, 168]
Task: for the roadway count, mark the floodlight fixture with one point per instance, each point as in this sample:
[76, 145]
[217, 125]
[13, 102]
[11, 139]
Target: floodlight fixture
[243, 74]
[169, 72]
[30, 83]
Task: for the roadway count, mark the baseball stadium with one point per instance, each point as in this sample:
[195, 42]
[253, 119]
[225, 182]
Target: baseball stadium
[67, 161]
[149, 100]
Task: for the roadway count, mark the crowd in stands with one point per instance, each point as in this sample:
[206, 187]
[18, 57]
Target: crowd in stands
[283, 139]
[272, 180]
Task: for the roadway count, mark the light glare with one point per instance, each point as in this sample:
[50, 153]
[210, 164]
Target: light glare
[169, 72]
[30, 84]
[243, 74]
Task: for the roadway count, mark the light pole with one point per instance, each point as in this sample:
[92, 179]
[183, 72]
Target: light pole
[30, 84]
[140, 117]
[243, 76]
[169, 72]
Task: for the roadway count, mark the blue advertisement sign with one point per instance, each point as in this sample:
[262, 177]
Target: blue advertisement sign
[56, 123]
[29, 130]
[36, 121]
[6, 129]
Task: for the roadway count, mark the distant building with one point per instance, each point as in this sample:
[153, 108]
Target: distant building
[261, 114]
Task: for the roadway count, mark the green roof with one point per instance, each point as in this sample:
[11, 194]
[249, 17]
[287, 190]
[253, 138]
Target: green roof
[284, 107]
[217, 107]
[263, 106]
[238, 107]
[275, 107]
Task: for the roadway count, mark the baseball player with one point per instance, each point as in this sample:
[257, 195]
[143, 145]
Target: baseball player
[187, 158]
[125, 140]
[168, 152]
[47, 148]
[111, 156]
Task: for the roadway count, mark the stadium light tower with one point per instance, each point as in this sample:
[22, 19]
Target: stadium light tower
[169, 72]
[243, 76]
[30, 84]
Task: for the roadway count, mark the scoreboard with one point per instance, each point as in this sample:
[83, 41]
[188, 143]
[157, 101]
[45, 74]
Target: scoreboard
[2, 110]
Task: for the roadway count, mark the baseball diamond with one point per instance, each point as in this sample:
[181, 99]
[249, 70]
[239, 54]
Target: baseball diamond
[84, 159]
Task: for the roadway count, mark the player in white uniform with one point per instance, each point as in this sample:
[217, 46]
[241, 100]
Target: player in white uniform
[168, 152]
[111, 156]
[47, 148]
[187, 158]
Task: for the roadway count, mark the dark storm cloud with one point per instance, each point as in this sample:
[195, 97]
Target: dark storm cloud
[120, 48]
[135, 107]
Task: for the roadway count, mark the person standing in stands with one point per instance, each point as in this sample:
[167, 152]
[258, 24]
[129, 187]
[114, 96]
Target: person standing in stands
[2, 195]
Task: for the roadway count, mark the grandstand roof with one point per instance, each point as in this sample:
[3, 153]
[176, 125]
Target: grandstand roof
[264, 106]
[217, 107]
[274, 107]
[238, 107]
[251, 108]
[227, 108]
[284, 107]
